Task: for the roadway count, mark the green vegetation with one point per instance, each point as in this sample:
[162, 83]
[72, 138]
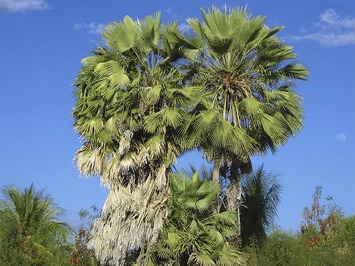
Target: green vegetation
[260, 197]
[194, 233]
[326, 238]
[151, 94]
[30, 232]
[32, 235]
[82, 254]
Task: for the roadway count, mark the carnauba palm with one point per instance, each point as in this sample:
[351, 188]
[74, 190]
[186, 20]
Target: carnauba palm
[151, 92]
[131, 101]
[247, 74]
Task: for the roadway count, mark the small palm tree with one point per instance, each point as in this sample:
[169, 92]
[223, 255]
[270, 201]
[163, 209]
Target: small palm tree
[30, 221]
[260, 197]
[194, 234]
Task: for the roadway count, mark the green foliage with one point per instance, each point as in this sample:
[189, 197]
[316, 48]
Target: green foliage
[284, 248]
[30, 232]
[194, 234]
[130, 102]
[342, 238]
[277, 249]
[326, 238]
[249, 105]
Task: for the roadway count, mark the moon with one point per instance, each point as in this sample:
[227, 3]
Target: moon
[340, 137]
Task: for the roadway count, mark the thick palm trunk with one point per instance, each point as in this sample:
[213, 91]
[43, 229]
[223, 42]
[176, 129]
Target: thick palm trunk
[131, 218]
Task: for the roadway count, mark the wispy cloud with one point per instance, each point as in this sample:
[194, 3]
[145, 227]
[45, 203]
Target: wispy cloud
[23, 5]
[330, 30]
[169, 9]
[92, 28]
[184, 27]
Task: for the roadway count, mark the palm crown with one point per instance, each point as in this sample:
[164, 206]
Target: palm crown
[247, 74]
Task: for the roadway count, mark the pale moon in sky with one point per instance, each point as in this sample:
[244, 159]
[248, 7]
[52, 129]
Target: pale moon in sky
[340, 137]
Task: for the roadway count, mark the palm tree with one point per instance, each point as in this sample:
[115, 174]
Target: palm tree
[29, 226]
[194, 234]
[260, 197]
[249, 106]
[151, 93]
[131, 101]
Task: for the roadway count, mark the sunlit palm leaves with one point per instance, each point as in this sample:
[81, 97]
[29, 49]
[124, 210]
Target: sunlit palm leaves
[247, 74]
[130, 104]
[194, 234]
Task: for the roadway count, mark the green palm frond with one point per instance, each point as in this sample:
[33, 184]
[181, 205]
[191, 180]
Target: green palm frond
[150, 32]
[33, 219]
[121, 36]
[192, 237]
[201, 259]
[246, 72]
[167, 117]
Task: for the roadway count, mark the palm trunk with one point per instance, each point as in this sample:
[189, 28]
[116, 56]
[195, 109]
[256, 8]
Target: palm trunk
[216, 169]
[215, 180]
[234, 193]
[234, 199]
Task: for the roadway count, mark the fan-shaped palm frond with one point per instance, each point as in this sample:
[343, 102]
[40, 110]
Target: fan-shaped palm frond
[194, 234]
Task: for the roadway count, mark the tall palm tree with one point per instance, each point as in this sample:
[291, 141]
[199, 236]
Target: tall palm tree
[131, 101]
[260, 197]
[134, 102]
[247, 74]
[29, 222]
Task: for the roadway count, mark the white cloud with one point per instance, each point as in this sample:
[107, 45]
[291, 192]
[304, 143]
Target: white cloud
[23, 5]
[330, 30]
[184, 27]
[92, 28]
[340, 137]
[169, 9]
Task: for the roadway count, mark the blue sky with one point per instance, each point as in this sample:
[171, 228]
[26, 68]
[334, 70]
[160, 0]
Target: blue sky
[43, 41]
